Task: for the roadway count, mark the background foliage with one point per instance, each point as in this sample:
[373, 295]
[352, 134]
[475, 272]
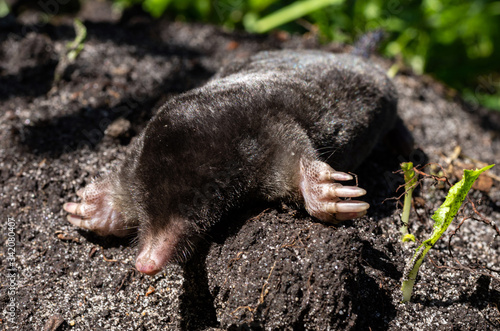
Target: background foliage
[458, 42]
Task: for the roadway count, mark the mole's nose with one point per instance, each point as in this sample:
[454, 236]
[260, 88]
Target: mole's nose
[146, 266]
[156, 251]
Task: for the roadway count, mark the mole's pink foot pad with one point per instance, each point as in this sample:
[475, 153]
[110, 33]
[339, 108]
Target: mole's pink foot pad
[322, 194]
[96, 212]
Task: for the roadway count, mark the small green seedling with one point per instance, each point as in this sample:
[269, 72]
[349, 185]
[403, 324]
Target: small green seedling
[410, 183]
[393, 70]
[72, 50]
[442, 219]
[76, 46]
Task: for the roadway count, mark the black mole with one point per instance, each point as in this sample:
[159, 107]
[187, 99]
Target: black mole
[271, 126]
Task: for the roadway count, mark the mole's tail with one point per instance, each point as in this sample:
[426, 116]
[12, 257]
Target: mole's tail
[368, 43]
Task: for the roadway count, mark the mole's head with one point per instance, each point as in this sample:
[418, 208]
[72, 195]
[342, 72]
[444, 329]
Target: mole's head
[172, 186]
[170, 222]
[164, 193]
[165, 230]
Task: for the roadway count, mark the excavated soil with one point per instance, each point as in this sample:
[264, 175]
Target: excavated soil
[264, 266]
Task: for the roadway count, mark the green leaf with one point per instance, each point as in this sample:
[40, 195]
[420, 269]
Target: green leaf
[443, 217]
[408, 237]
[259, 5]
[445, 214]
[155, 7]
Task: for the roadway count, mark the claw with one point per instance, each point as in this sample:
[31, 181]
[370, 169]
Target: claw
[72, 208]
[80, 192]
[346, 191]
[80, 209]
[322, 193]
[96, 211]
[77, 221]
[330, 175]
[351, 206]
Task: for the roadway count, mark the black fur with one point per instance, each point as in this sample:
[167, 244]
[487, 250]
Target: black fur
[244, 132]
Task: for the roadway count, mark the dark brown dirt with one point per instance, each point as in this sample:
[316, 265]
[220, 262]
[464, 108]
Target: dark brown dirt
[265, 266]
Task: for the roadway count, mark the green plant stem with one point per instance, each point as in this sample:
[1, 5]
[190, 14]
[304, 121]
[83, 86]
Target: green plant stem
[410, 181]
[416, 261]
[290, 13]
[406, 212]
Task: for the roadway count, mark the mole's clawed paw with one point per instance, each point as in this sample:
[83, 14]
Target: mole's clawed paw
[96, 212]
[322, 194]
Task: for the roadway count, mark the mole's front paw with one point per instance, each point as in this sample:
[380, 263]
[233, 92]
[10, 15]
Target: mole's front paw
[96, 211]
[322, 194]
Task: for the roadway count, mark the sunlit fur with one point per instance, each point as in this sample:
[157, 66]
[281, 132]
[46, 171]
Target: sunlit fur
[243, 134]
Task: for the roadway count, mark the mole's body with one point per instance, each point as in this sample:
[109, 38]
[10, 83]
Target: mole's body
[263, 127]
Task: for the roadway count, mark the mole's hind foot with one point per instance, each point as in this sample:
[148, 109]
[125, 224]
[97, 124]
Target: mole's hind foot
[322, 193]
[96, 211]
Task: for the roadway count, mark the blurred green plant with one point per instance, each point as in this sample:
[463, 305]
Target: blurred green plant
[456, 41]
[76, 46]
[4, 9]
[73, 49]
[287, 14]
